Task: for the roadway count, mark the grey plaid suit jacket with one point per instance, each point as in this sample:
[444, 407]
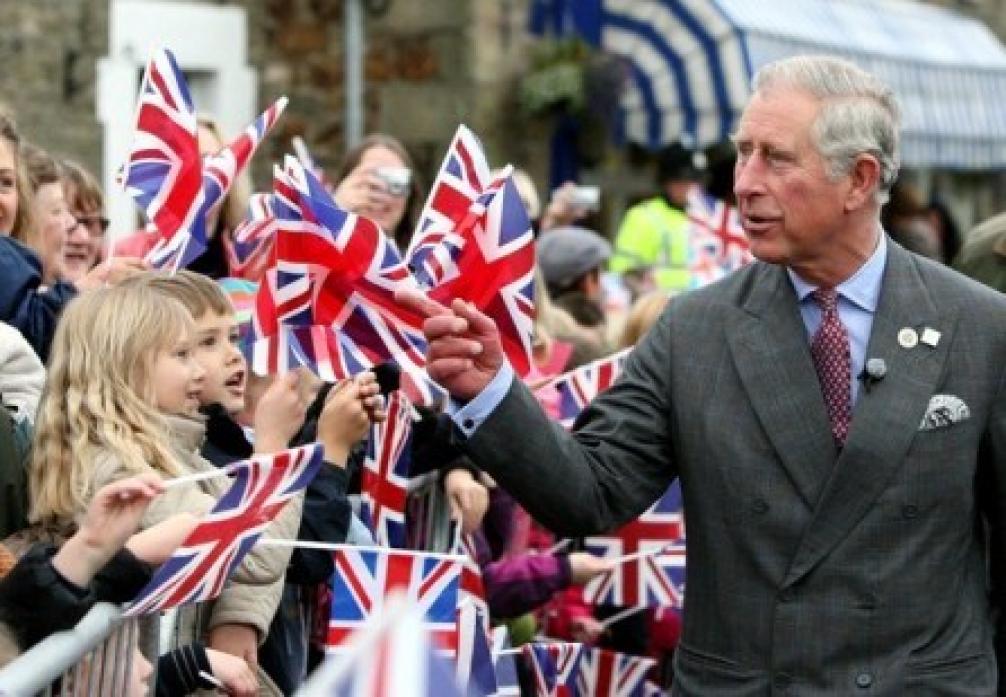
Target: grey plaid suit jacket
[809, 572]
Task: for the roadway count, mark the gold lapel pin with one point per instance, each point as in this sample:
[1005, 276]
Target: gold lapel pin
[930, 337]
[908, 338]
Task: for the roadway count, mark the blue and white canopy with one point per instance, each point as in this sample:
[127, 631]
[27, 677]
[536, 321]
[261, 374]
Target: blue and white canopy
[690, 64]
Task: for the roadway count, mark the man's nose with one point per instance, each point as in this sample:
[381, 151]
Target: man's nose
[747, 179]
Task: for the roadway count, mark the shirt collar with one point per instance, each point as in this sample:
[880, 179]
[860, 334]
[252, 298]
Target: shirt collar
[862, 288]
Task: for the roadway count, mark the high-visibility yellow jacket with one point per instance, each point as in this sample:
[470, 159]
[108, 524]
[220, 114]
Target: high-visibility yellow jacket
[654, 235]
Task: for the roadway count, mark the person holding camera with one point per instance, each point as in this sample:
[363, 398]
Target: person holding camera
[376, 180]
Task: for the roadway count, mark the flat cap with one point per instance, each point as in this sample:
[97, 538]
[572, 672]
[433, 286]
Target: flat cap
[566, 253]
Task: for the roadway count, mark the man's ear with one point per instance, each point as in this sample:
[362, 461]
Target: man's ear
[864, 178]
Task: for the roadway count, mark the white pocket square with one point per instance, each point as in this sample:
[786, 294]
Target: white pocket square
[944, 410]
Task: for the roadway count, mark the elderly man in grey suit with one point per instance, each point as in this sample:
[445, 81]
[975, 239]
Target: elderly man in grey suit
[835, 412]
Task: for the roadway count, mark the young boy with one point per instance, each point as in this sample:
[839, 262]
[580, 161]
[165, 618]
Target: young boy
[242, 421]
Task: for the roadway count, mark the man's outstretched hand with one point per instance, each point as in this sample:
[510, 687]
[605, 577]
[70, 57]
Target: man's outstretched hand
[465, 351]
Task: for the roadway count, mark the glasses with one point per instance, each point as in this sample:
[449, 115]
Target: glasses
[95, 224]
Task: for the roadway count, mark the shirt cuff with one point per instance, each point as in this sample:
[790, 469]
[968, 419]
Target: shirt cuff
[468, 417]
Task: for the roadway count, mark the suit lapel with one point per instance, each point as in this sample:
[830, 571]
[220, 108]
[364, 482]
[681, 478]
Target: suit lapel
[886, 418]
[771, 353]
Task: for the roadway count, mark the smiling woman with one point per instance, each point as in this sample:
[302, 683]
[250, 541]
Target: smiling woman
[87, 206]
[52, 219]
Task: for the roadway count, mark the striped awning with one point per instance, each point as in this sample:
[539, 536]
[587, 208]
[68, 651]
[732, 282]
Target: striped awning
[689, 64]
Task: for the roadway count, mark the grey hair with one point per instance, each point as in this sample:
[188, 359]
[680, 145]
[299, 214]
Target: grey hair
[859, 113]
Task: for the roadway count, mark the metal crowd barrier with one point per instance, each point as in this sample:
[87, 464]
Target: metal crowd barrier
[93, 659]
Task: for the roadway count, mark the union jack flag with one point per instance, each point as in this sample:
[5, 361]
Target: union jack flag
[356, 269]
[471, 589]
[555, 667]
[463, 177]
[717, 243]
[365, 577]
[304, 156]
[173, 185]
[608, 674]
[495, 270]
[198, 569]
[252, 250]
[579, 387]
[475, 665]
[164, 172]
[285, 336]
[384, 481]
[654, 573]
[389, 658]
[507, 682]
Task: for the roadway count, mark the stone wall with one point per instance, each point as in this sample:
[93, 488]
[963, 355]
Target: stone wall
[48, 50]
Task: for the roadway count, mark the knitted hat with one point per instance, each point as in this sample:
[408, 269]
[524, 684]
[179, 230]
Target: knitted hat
[241, 293]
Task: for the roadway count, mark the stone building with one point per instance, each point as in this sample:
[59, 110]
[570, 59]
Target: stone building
[73, 67]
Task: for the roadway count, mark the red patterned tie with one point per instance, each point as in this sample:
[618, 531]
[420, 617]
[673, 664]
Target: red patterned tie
[833, 361]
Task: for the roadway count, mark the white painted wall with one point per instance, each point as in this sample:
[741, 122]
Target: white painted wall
[208, 39]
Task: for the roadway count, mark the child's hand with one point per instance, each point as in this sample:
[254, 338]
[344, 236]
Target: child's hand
[344, 418]
[279, 414]
[469, 500]
[239, 640]
[234, 673]
[158, 542]
[114, 515]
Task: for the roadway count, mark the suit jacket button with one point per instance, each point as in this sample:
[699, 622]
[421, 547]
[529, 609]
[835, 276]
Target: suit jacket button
[864, 680]
[759, 506]
[910, 510]
[786, 595]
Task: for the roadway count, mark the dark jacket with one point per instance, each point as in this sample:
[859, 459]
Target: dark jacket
[36, 601]
[22, 304]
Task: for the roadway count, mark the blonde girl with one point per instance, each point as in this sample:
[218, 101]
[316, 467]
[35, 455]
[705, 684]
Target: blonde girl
[121, 399]
[99, 397]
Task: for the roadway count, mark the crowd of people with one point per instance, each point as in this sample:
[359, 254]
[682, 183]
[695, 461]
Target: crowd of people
[115, 377]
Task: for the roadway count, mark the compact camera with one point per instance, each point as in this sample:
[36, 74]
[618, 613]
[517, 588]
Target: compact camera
[396, 179]
[586, 198]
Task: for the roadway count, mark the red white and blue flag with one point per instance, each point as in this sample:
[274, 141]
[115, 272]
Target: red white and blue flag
[555, 667]
[199, 568]
[163, 173]
[365, 578]
[650, 552]
[717, 243]
[474, 241]
[384, 479]
[475, 666]
[356, 270]
[606, 673]
[495, 270]
[389, 658]
[505, 662]
[463, 177]
[579, 387]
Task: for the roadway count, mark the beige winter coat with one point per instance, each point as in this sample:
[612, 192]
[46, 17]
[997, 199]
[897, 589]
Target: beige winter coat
[252, 594]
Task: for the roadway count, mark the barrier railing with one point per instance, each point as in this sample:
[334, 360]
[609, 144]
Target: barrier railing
[95, 658]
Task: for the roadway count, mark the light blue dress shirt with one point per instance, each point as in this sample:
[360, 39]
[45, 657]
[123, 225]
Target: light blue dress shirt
[857, 303]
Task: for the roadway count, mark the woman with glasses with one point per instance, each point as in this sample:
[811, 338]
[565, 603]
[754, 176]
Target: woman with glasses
[84, 241]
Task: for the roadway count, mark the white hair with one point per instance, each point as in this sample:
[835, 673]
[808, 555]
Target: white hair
[859, 113]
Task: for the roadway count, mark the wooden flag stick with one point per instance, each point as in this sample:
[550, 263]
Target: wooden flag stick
[639, 555]
[619, 616]
[335, 547]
